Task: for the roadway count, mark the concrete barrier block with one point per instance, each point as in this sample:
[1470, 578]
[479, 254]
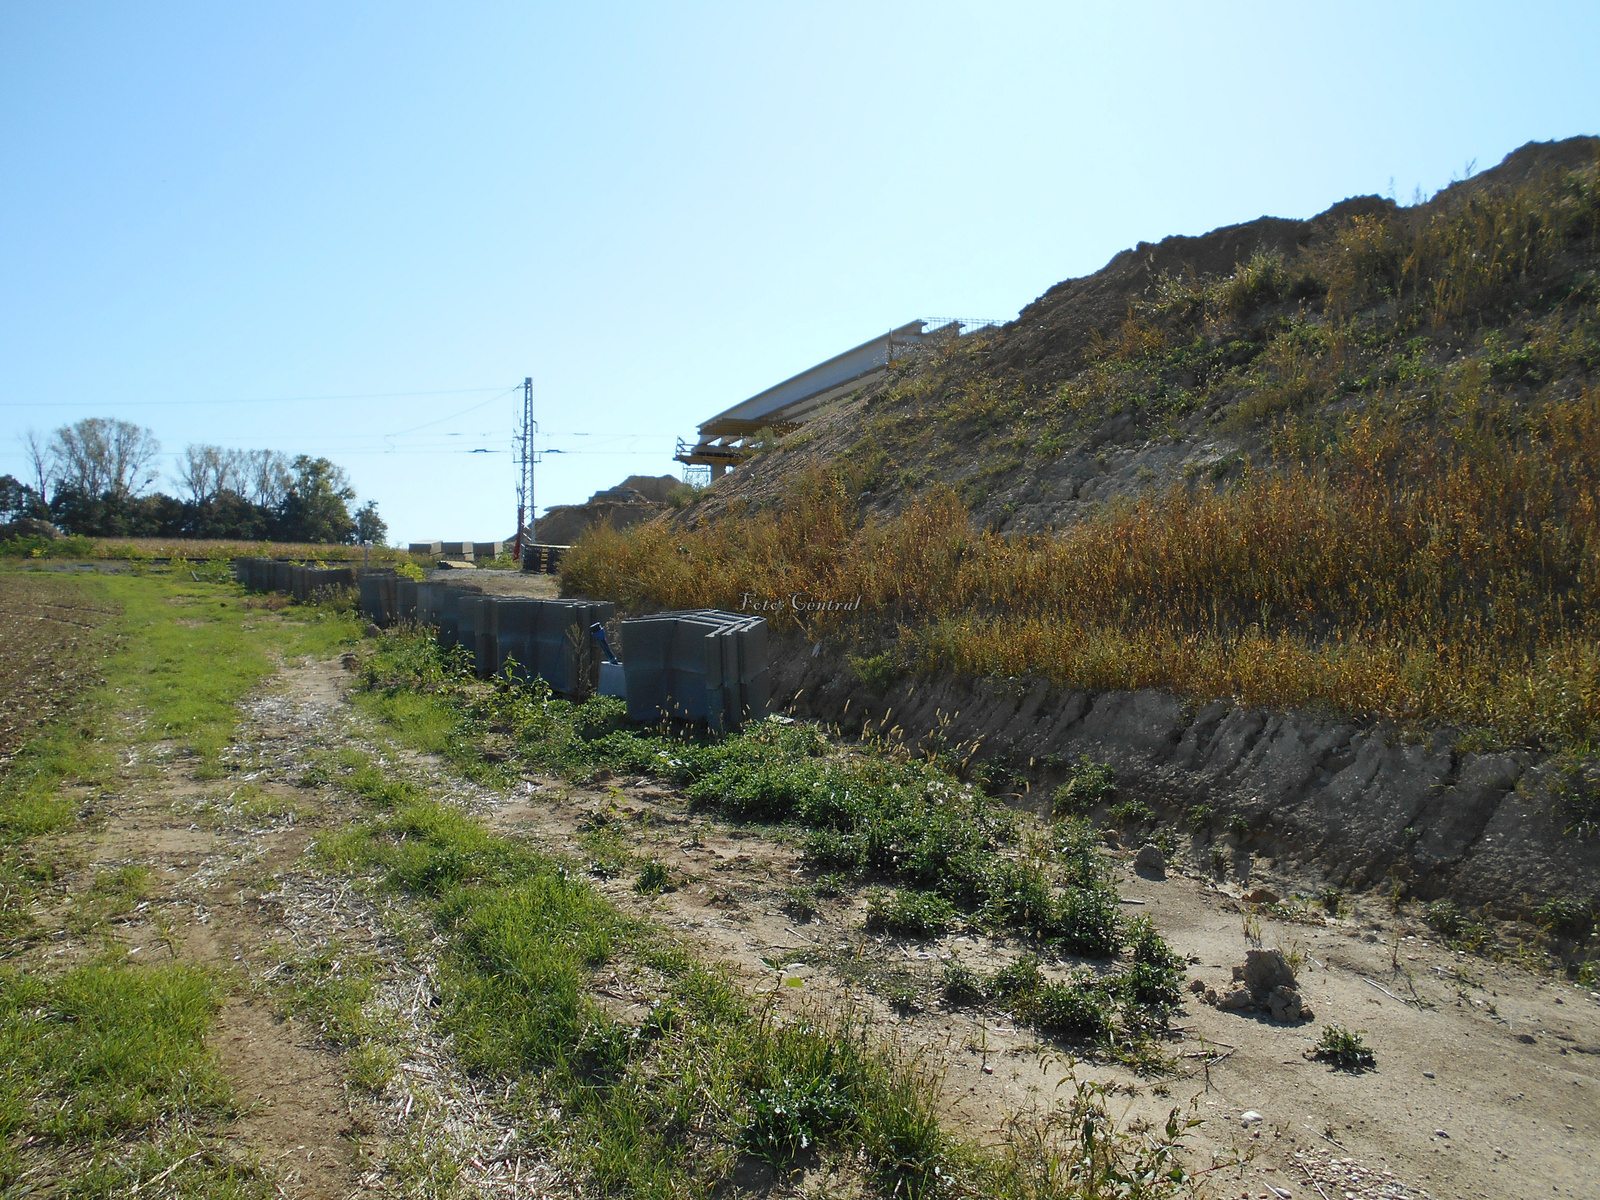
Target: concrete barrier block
[425, 549]
[447, 611]
[369, 587]
[488, 653]
[469, 615]
[702, 665]
[461, 551]
[405, 599]
[516, 636]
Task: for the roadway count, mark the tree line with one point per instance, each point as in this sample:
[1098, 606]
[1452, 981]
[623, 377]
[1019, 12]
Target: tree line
[94, 478]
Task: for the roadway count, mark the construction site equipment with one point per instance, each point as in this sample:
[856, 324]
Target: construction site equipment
[702, 665]
[544, 560]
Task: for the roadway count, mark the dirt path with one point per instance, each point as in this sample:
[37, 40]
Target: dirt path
[1488, 1076]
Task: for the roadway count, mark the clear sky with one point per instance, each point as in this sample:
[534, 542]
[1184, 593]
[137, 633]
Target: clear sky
[280, 225]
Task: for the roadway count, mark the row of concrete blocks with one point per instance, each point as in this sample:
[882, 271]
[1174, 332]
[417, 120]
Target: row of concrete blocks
[698, 666]
[534, 637]
[702, 665]
[292, 579]
[457, 551]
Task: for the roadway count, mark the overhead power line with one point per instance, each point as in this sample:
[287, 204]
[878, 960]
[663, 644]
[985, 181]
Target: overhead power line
[250, 400]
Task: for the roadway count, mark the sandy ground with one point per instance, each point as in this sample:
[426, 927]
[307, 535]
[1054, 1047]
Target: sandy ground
[1487, 1080]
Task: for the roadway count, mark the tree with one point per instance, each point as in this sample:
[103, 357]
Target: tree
[316, 508]
[101, 456]
[370, 527]
[265, 476]
[17, 499]
[208, 471]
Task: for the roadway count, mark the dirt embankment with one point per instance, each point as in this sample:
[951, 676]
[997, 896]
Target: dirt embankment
[1020, 470]
[1327, 802]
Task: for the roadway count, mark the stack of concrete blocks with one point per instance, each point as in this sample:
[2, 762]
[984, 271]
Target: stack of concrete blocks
[430, 550]
[437, 609]
[548, 639]
[307, 583]
[379, 601]
[405, 600]
[247, 572]
[456, 551]
[703, 665]
[293, 579]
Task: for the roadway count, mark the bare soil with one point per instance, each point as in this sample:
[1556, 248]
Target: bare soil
[54, 643]
[1487, 1074]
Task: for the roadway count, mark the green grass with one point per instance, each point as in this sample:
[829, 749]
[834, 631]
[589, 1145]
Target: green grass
[670, 1104]
[187, 653]
[104, 1066]
[102, 1053]
[526, 933]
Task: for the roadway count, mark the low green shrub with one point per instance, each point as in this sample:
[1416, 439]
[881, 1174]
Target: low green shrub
[1087, 921]
[1091, 784]
[959, 986]
[1445, 917]
[1345, 1049]
[909, 913]
[1132, 812]
[1078, 1008]
[654, 878]
[1567, 915]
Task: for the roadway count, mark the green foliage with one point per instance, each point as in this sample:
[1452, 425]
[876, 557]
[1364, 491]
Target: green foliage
[1091, 784]
[959, 986]
[1445, 917]
[1088, 922]
[1238, 826]
[1155, 979]
[1132, 812]
[909, 913]
[877, 672]
[1078, 1008]
[1345, 1049]
[1261, 281]
[1568, 915]
[1200, 817]
[654, 878]
[790, 1118]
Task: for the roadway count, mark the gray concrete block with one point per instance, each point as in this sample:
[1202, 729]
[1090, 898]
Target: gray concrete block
[425, 549]
[405, 599]
[702, 665]
[469, 615]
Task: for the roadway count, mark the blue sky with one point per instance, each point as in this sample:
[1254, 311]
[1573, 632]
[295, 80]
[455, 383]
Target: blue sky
[278, 225]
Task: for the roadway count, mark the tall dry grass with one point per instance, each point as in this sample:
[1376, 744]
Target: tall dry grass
[1437, 561]
[1422, 579]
